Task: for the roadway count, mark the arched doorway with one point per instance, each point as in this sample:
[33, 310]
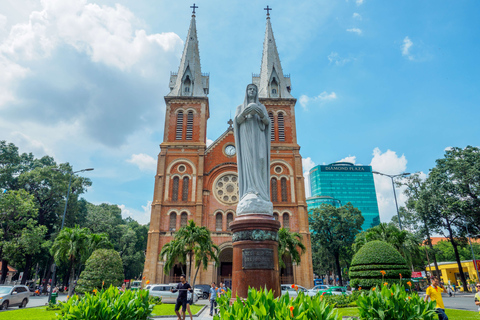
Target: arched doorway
[174, 276]
[224, 269]
[286, 274]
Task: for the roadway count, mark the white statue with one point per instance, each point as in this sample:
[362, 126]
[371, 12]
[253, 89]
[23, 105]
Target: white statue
[252, 139]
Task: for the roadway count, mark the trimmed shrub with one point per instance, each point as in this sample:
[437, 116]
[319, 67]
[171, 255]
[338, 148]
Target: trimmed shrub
[261, 305]
[394, 303]
[108, 304]
[374, 258]
[102, 269]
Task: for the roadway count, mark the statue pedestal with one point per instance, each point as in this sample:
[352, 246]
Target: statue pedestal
[255, 254]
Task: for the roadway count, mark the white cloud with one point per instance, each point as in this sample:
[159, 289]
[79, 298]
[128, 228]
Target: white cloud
[142, 216]
[407, 44]
[307, 165]
[209, 142]
[351, 159]
[359, 2]
[389, 163]
[28, 144]
[334, 57]
[143, 161]
[322, 98]
[355, 30]
[11, 73]
[357, 16]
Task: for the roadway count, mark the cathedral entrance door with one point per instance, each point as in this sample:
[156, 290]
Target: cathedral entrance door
[225, 267]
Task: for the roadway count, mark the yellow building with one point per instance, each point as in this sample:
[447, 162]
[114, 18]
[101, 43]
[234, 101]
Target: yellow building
[450, 272]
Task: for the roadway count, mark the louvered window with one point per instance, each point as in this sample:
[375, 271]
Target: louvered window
[274, 190]
[185, 189]
[229, 220]
[272, 126]
[281, 127]
[286, 220]
[283, 185]
[189, 125]
[179, 131]
[218, 222]
[175, 189]
[173, 221]
[275, 215]
[183, 219]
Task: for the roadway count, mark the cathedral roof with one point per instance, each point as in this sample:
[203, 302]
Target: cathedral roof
[222, 136]
[189, 72]
[271, 81]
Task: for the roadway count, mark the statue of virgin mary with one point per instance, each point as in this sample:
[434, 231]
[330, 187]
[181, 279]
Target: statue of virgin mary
[252, 139]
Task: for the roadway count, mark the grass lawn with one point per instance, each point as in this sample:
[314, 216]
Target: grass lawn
[451, 313]
[169, 309]
[42, 314]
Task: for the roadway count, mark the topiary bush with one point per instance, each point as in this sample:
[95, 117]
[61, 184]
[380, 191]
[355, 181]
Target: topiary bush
[102, 269]
[375, 263]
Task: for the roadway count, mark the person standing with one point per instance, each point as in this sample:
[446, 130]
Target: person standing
[434, 292]
[183, 287]
[213, 299]
[477, 296]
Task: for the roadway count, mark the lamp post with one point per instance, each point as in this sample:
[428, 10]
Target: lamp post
[394, 193]
[63, 222]
[473, 254]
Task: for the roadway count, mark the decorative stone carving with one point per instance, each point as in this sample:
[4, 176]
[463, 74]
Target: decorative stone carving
[255, 235]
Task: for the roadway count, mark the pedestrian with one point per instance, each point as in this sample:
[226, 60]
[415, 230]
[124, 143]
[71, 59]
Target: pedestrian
[183, 287]
[213, 299]
[434, 292]
[477, 296]
[221, 289]
[190, 302]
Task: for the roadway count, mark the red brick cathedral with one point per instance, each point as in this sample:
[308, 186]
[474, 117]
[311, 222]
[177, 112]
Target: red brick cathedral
[196, 182]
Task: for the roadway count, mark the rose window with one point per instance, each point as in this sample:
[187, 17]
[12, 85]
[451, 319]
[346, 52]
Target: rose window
[226, 189]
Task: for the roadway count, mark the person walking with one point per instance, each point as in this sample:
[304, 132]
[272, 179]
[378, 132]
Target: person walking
[434, 292]
[477, 297]
[213, 299]
[183, 287]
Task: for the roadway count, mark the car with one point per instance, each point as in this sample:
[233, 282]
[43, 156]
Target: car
[11, 296]
[340, 291]
[292, 292]
[322, 288]
[164, 291]
[205, 290]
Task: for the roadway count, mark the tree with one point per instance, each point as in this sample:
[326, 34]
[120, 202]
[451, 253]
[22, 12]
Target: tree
[71, 246]
[103, 269]
[290, 245]
[335, 230]
[17, 211]
[192, 241]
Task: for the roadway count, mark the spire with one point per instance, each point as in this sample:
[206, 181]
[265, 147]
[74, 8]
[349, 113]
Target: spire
[189, 80]
[272, 83]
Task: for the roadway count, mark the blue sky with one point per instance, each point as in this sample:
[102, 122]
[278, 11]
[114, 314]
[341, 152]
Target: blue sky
[386, 83]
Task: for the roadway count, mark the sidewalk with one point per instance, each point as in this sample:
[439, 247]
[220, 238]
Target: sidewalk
[204, 315]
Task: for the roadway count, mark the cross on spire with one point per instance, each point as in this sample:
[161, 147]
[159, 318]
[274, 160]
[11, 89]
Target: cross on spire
[268, 11]
[193, 7]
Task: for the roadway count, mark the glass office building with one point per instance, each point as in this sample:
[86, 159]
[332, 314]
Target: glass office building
[345, 182]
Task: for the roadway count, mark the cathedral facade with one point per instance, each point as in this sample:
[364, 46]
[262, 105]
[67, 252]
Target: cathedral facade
[200, 183]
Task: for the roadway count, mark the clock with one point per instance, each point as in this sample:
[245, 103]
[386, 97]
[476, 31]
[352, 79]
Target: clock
[230, 150]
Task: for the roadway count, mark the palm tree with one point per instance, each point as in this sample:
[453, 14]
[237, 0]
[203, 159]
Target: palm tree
[97, 241]
[70, 246]
[290, 244]
[192, 241]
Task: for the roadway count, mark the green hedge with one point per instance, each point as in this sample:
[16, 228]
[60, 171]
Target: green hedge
[371, 259]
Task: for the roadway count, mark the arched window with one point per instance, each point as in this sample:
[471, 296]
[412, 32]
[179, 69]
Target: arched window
[272, 126]
[187, 84]
[175, 189]
[218, 222]
[183, 219]
[286, 220]
[189, 125]
[281, 127]
[273, 189]
[229, 220]
[275, 215]
[274, 91]
[173, 221]
[179, 131]
[283, 186]
[185, 189]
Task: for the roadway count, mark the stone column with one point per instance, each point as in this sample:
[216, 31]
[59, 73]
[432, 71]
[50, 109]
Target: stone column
[255, 254]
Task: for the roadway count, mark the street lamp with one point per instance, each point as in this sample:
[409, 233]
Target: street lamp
[63, 222]
[394, 193]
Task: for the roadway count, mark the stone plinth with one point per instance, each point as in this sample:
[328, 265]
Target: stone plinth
[255, 254]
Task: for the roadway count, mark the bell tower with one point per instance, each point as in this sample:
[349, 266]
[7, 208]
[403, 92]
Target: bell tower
[179, 180]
